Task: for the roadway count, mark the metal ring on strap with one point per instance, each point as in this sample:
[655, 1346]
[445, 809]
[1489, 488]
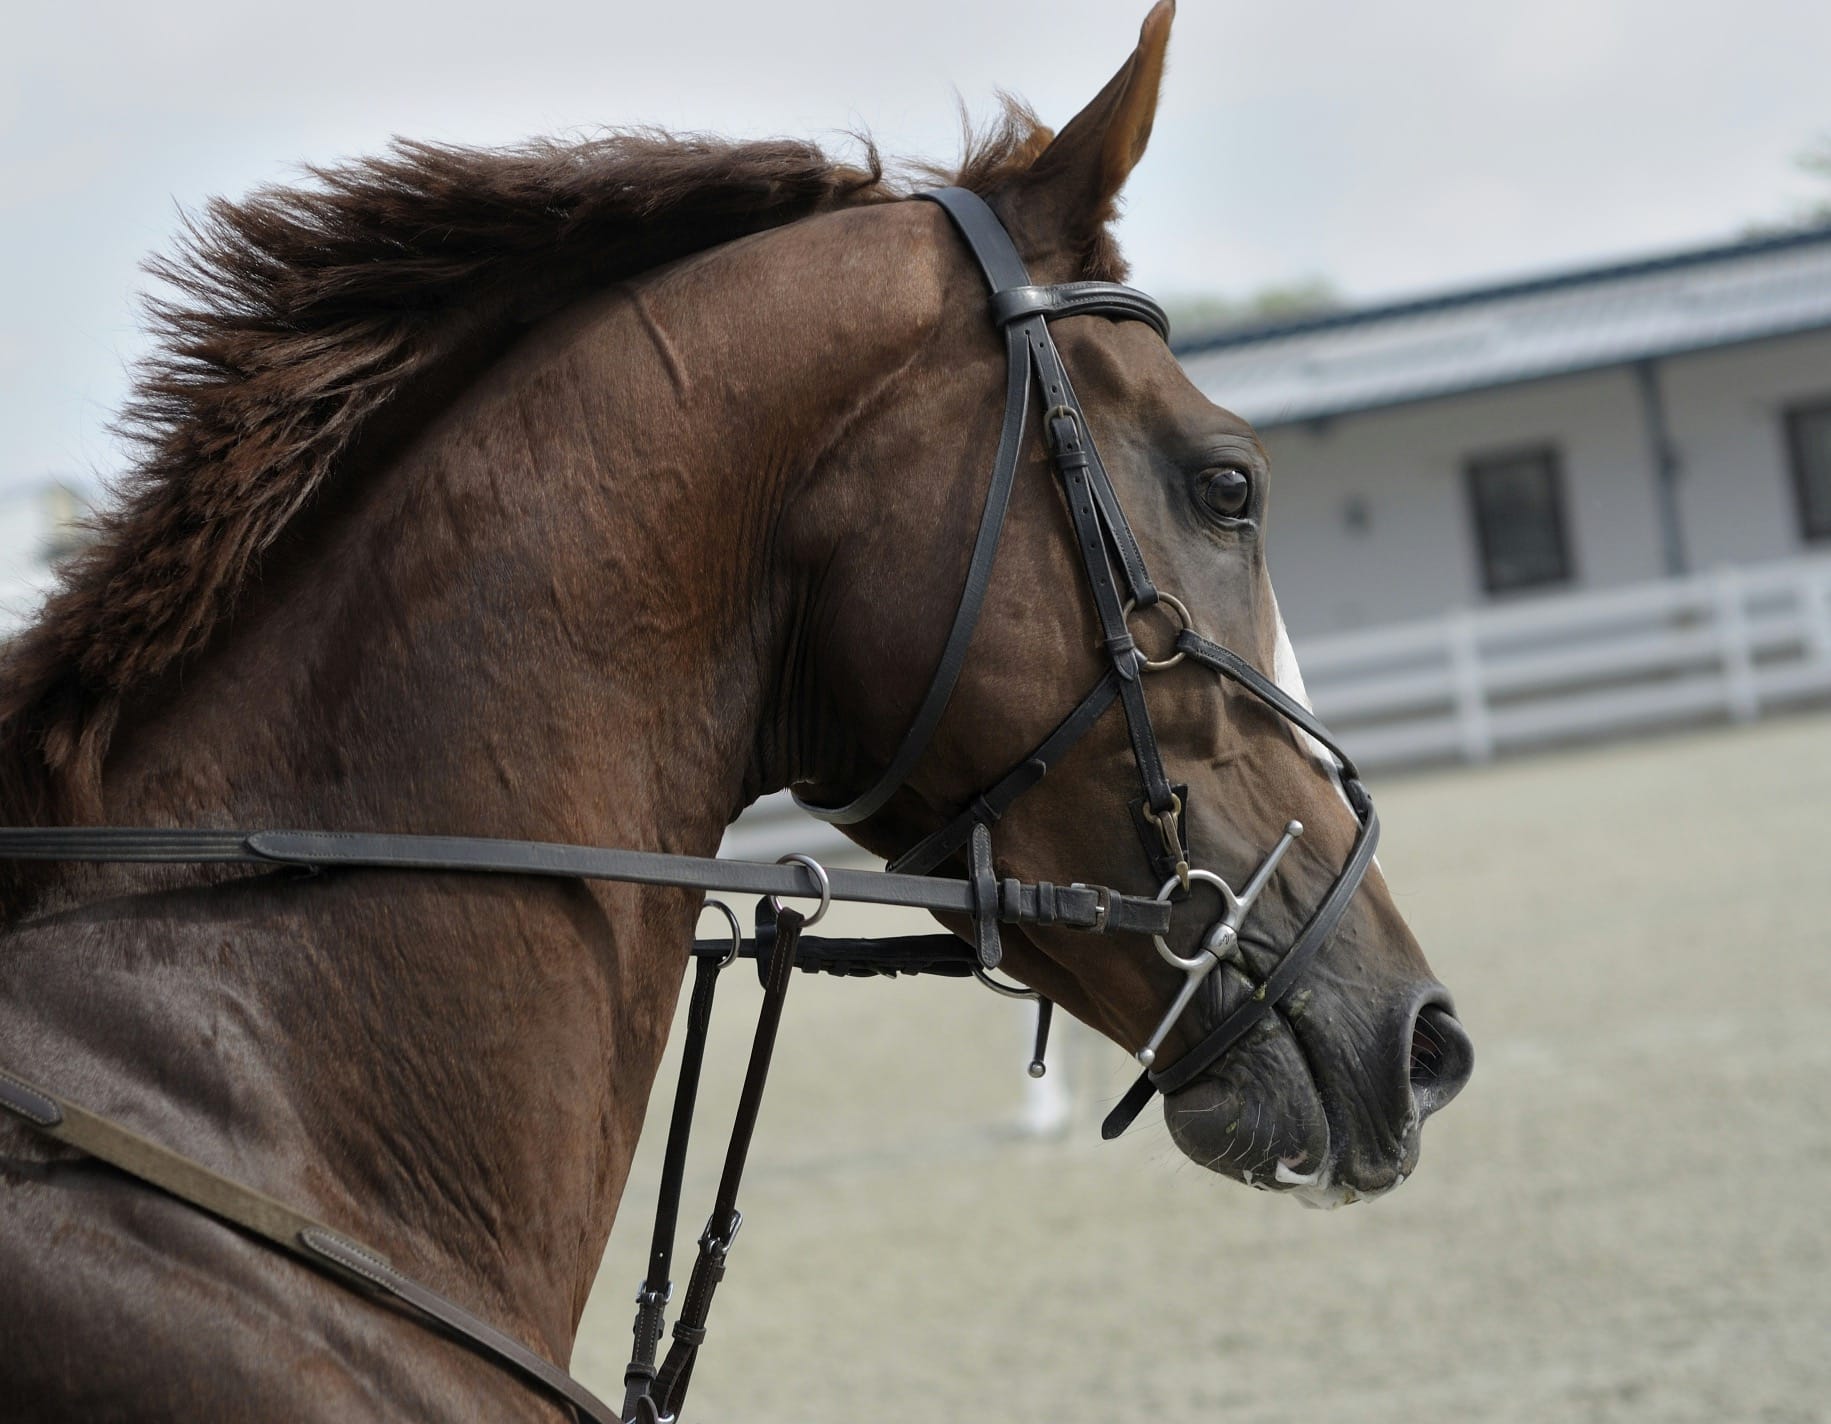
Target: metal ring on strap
[818, 871]
[1010, 991]
[1176, 605]
[1194, 961]
[737, 930]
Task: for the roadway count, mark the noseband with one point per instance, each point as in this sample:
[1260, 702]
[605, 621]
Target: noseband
[1120, 584]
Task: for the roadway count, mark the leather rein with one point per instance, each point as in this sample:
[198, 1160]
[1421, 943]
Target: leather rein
[1119, 583]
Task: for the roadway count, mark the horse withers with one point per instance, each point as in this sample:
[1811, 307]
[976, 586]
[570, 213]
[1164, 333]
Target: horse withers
[585, 493]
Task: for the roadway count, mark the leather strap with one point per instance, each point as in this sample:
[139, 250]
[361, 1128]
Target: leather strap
[1081, 907]
[1283, 978]
[1079, 299]
[989, 806]
[1094, 509]
[1316, 931]
[676, 1372]
[986, 897]
[657, 1287]
[966, 614]
[986, 238]
[1022, 310]
[942, 954]
[1263, 999]
[337, 1255]
[1230, 664]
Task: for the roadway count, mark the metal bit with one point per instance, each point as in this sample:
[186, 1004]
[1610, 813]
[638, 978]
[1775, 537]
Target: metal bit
[1222, 942]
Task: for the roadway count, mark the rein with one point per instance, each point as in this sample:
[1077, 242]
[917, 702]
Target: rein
[1119, 584]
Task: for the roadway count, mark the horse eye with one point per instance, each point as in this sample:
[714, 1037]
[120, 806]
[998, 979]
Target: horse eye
[1226, 491]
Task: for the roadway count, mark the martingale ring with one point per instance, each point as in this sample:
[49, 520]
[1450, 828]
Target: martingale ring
[1204, 955]
[1176, 605]
[737, 930]
[818, 871]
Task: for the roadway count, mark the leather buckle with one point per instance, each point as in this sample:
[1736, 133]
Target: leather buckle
[1155, 833]
[716, 1245]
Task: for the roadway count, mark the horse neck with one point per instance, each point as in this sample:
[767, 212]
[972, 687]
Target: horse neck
[554, 616]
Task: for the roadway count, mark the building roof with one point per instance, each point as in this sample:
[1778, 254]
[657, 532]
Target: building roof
[1397, 352]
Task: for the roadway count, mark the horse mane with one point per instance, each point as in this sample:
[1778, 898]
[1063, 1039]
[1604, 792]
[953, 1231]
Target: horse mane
[295, 316]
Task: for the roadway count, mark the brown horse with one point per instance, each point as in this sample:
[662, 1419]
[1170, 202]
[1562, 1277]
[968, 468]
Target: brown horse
[586, 493]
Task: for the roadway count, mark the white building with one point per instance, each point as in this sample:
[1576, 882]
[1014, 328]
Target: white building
[1577, 432]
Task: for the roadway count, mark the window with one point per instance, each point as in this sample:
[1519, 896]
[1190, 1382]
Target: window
[1808, 432]
[1518, 501]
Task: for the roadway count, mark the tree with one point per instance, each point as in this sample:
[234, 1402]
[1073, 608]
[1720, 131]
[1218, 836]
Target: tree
[1816, 161]
[1282, 301]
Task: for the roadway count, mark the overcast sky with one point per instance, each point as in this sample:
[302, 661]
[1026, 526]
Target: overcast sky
[1391, 147]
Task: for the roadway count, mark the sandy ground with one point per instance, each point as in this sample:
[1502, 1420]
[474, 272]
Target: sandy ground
[1624, 1217]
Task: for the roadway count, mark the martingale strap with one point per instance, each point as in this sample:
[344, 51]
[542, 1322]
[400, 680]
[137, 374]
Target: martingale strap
[657, 1287]
[676, 1373]
[651, 1395]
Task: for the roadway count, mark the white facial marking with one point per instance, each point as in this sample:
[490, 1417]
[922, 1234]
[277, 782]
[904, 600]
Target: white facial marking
[1289, 678]
[1285, 671]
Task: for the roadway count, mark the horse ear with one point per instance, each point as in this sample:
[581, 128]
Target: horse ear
[1069, 190]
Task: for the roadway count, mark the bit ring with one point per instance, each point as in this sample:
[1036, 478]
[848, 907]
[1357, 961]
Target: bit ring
[818, 871]
[1195, 961]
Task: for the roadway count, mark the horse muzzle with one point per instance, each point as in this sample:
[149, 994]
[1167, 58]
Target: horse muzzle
[1323, 1103]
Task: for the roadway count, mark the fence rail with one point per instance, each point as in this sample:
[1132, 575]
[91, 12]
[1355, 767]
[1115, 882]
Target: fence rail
[1729, 644]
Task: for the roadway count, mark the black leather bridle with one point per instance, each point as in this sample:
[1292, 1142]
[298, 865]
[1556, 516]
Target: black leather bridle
[1119, 583]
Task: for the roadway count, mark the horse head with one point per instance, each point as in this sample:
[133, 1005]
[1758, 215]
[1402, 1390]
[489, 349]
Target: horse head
[1325, 1096]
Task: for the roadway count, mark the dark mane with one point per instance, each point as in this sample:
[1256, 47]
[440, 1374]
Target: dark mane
[297, 315]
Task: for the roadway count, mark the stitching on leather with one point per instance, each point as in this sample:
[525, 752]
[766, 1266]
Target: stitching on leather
[24, 1110]
[334, 1248]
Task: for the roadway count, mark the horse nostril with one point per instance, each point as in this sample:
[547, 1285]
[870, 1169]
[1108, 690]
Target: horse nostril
[1441, 1058]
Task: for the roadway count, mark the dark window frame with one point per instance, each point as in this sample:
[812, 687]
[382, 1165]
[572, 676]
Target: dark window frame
[1793, 418]
[1552, 457]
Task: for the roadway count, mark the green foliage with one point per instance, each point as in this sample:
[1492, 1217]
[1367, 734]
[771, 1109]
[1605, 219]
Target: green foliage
[1816, 161]
[1210, 311]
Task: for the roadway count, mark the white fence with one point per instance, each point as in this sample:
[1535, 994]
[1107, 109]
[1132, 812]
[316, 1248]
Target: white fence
[1728, 644]
[1724, 645]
